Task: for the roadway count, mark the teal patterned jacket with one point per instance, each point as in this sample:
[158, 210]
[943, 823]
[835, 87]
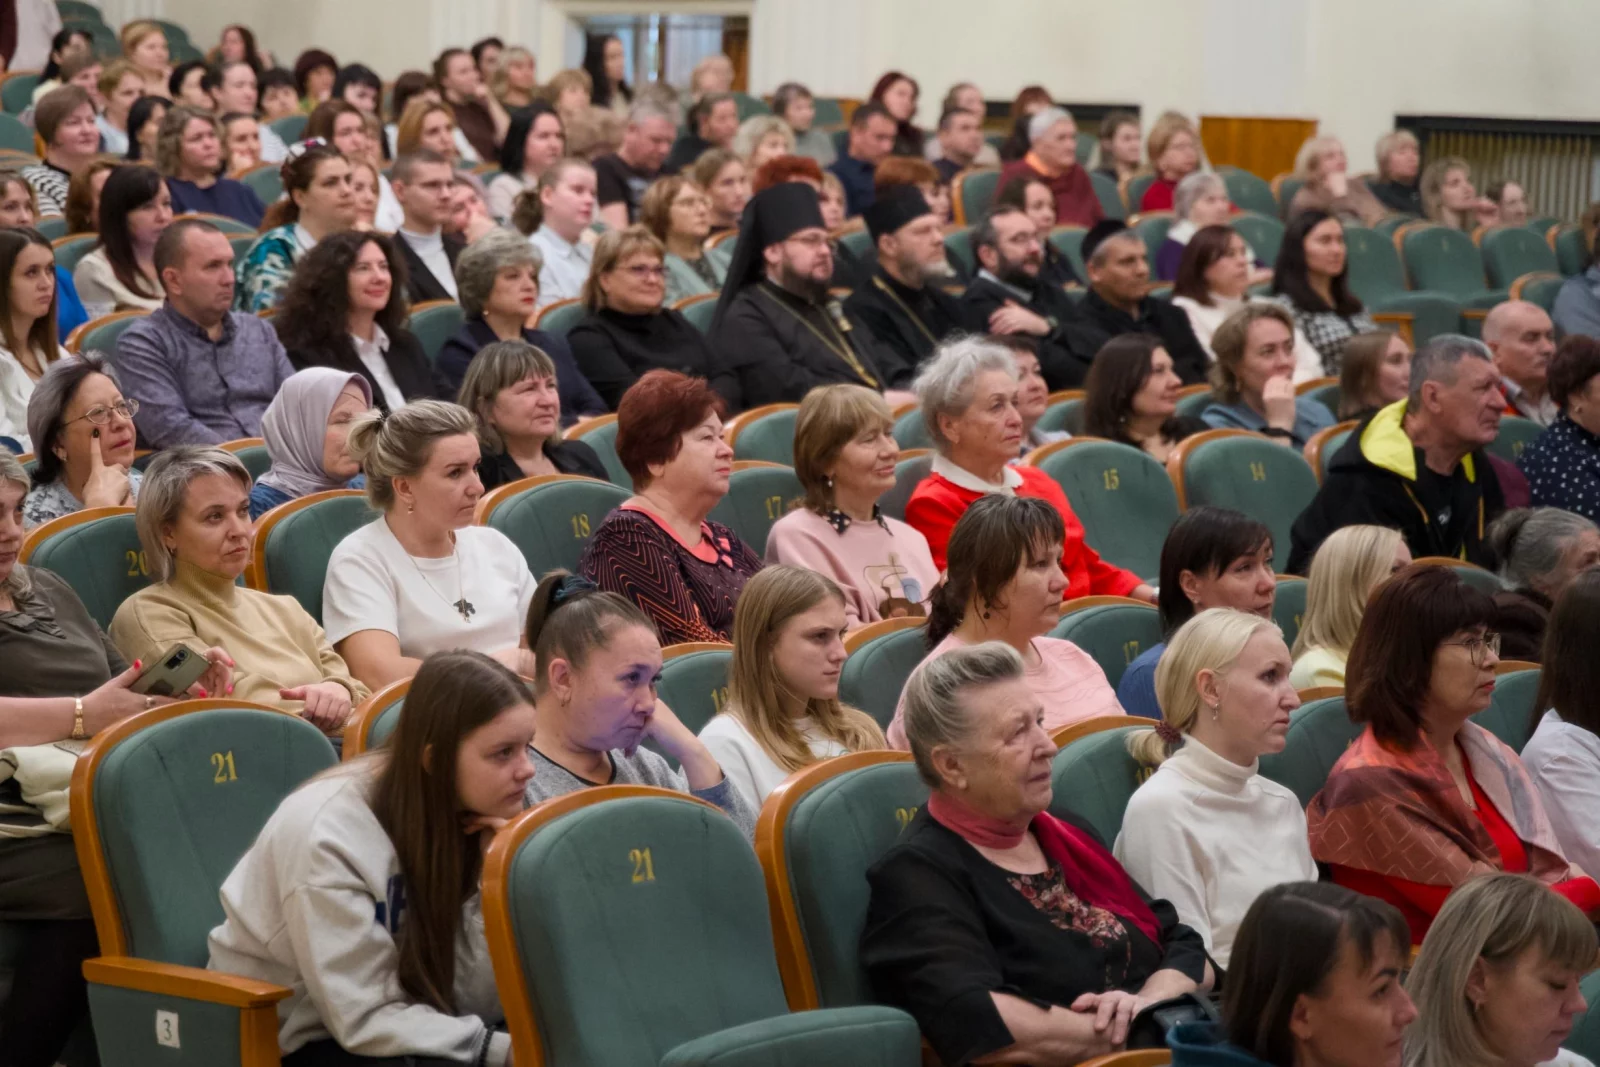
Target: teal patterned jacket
[266, 270]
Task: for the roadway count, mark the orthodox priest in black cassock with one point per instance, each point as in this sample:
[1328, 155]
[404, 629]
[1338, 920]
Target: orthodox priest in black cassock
[902, 304]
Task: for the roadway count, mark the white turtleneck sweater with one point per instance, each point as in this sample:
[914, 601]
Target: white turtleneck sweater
[1209, 836]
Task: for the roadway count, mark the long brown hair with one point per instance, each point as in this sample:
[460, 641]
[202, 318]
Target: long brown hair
[41, 337]
[416, 800]
[756, 689]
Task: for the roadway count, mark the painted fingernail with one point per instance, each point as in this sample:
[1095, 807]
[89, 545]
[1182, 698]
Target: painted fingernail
[202, 690]
[137, 664]
[230, 690]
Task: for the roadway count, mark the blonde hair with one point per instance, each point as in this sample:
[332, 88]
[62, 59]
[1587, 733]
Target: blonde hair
[169, 142]
[135, 32]
[1496, 918]
[613, 247]
[400, 443]
[1167, 126]
[561, 81]
[935, 711]
[500, 81]
[1211, 641]
[408, 131]
[830, 417]
[1432, 188]
[755, 688]
[1310, 155]
[1345, 570]
[1390, 143]
[757, 128]
[161, 494]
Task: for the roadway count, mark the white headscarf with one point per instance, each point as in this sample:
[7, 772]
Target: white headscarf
[295, 425]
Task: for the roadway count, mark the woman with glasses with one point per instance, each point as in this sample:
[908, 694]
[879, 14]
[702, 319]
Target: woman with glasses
[1425, 799]
[82, 427]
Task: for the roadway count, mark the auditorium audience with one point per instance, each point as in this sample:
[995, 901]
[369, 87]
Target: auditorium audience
[469, 213]
[1314, 979]
[121, 86]
[191, 83]
[968, 396]
[241, 143]
[307, 432]
[83, 437]
[1200, 200]
[236, 93]
[960, 144]
[144, 127]
[73, 41]
[426, 122]
[365, 189]
[1348, 566]
[1030, 100]
[417, 813]
[712, 122]
[144, 44]
[18, 210]
[1425, 799]
[598, 660]
[83, 193]
[1207, 831]
[1033, 196]
[1522, 340]
[1449, 198]
[783, 712]
[555, 217]
[678, 213]
[606, 64]
[1375, 374]
[721, 173]
[1121, 147]
[317, 202]
[1419, 466]
[1563, 464]
[1510, 203]
[1009, 295]
[903, 305]
[514, 80]
[897, 94]
[423, 578]
[27, 325]
[189, 156]
[1052, 158]
[999, 927]
[762, 138]
[1539, 551]
[844, 456]
[1174, 151]
[568, 91]
[1213, 281]
[870, 142]
[1131, 396]
[794, 104]
[314, 74]
[534, 140]
[346, 309]
[1212, 558]
[1254, 375]
[713, 74]
[478, 114]
[237, 43]
[194, 526]
[628, 331]
[1498, 983]
[511, 390]
[1321, 166]
[201, 373]
[64, 122]
[1399, 160]
[622, 176]
[278, 97]
[1312, 279]
[658, 549]
[421, 181]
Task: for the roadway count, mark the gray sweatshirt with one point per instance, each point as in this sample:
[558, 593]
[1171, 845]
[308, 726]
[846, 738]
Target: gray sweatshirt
[315, 905]
[643, 768]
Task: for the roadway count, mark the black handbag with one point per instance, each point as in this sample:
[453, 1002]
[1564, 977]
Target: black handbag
[1149, 1028]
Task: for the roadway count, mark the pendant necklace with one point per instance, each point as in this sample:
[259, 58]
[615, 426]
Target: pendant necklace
[462, 604]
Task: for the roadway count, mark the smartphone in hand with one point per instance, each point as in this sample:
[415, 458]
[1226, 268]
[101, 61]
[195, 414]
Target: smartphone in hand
[172, 674]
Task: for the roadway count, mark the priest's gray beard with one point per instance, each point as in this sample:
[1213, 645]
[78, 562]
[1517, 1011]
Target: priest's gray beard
[918, 274]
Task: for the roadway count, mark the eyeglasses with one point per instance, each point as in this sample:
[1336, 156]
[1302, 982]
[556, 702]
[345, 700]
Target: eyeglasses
[1479, 648]
[99, 415]
[643, 271]
[810, 240]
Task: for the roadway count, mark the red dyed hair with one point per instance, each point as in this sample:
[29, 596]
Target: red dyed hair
[785, 169]
[655, 413]
[897, 171]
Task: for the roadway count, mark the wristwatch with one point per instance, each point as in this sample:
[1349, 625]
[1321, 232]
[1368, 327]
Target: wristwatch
[1277, 431]
[77, 720]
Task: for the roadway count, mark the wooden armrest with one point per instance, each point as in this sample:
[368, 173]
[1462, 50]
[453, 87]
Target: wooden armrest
[191, 983]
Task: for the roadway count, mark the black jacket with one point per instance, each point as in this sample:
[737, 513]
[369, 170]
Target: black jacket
[685, 150]
[408, 364]
[614, 350]
[907, 322]
[570, 457]
[1405, 199]
[1061, 367]
[1100, 322]
[1373, 481]
[578, 397]
[420, 283]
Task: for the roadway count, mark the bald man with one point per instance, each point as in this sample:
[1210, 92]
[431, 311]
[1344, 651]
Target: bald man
[1522, 339]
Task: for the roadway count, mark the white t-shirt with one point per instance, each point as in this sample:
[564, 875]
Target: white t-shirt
[746, 764]
[374, 584]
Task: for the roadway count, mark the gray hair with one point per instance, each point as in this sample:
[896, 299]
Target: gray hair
[1192, 188]
[645, 110]
[1438, 360]
[482, 261]
[399, 444]
[935, 713]
[12, 472]
[161, 494]
[1046, 118]
[1530, 544]
[755, 129]
[944, 385]
[49, 401]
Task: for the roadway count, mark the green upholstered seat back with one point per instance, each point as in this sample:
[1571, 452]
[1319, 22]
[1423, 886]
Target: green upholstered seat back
[1069, 242]
[1110, 197]
[1374, 265]
[911, 431]
[178, 803]
[1113, 635]
[907, 474]
[834, 833]
[757, 498]
[1509, 252]
[1510, 714]
[101, 560]
[559, 319]
[1122, 496]
[16, 94]
[1516, 434]
[298, 546]
[876, 672]
[975, 191]
[1263, 233]
[640, 923]
[103, 338]
[73, 249]
[433, 326]
[291, 127]
[695, 685]
[1257, 477]
[603, 439]
[1287, 187]
[550, 523]
[17, 137]
[1250, 193]
[958, 247]
[1196, 402]
[769, 438]
[1585, 1036]
[266, 181]
[1327, 396]
[384, 725]
[1065, 415]
[1289, 607]
[1138, 185]
[1432, 313]
[701, 313]
[1572, 257]
[1542, 290]
[1319, 732]
[1094, 778]
[1443, 259]
[1153, 229]
[256, 459]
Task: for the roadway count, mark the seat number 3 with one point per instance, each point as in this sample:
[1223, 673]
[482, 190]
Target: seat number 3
[167, 1029]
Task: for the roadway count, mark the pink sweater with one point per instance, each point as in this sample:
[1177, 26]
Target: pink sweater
[1068, 682]
[879, 567]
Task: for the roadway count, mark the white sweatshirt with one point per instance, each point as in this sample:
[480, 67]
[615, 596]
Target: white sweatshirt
[314, 905]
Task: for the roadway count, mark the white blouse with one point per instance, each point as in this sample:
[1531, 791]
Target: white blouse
[746, 764]
[15, 390]
[1205, 320]
[1564, 762]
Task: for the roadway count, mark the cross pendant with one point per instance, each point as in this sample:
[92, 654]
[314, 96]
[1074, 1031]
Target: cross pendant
[464, 606]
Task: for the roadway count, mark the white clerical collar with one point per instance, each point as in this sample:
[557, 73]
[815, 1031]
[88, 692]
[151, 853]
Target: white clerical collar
[965, 479]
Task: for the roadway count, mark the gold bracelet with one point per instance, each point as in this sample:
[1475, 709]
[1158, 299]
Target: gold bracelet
[77, 720]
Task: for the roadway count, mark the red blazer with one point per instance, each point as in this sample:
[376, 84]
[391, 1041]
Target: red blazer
[937, 503]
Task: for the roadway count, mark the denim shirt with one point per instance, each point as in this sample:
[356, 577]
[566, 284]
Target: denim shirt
[1309, 417]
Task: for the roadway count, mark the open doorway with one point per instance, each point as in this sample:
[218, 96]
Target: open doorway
[665, 48]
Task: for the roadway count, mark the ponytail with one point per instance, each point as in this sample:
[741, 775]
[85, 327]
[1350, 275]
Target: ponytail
[297, 173]
[527, 211]
[587, 616]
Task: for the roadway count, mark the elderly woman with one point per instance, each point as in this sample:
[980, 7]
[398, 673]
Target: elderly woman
[1563, 464]
[1540, 551]
[1206, 831]
[64, 120]
[968, 396]
[1004, 584]
[1174, 151]
[1201, 200]
[307, 430]
[189, 156]
[423, 578]
[1254, 378]
[1132, 397]
[498, 280]
[1000, 928]
[1496, 981]
[844, 455]
[194, 527]
[658, 549]
[512, 393]
[1425, 799]
[1376, 373]
[1348, 566]
[762, 138]
[1321, 165]
[1214, 276]
[535, 139]
[628, 332]
[1312, 278]
[1399, 159]
[678, 213]
[83, 429]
